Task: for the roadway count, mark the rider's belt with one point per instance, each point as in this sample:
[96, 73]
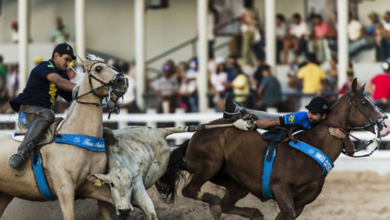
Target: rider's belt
[87, 142]
[316, 154]
[41, 179]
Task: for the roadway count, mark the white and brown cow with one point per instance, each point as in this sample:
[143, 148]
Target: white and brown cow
[144, 153]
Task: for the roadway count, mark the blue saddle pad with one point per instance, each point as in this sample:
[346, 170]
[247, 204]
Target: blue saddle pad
[87, 142]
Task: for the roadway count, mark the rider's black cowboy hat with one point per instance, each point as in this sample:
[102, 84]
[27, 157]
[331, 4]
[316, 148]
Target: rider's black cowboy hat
[64, 48]
[318, 104]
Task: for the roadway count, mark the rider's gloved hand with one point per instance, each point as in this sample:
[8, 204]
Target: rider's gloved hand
[244, 125]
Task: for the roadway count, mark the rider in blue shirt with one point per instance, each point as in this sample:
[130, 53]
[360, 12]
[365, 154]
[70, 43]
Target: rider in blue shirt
[318, 110]
[46, 81]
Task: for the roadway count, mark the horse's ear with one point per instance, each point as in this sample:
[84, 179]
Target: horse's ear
[354, 86]
[85, 62]
[362, 88]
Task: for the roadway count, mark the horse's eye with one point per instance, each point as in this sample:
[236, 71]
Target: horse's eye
[363, 102]
[98, 69]
[112, 185]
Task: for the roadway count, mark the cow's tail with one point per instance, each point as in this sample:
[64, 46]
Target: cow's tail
[168, 131]
[167, 184]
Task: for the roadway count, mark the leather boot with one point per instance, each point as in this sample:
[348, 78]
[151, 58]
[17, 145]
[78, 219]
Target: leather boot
[36, 130]
[18, 159]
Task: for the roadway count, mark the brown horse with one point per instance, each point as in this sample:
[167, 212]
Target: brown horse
[234, 159]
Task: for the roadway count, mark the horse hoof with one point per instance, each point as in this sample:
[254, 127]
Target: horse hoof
[16, 161]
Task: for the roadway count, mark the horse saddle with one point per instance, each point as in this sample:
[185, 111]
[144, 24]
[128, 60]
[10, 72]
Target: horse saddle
[279, 134]
[47, 138]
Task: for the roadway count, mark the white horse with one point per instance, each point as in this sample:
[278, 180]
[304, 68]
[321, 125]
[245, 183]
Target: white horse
[145, 152]
[67, 167]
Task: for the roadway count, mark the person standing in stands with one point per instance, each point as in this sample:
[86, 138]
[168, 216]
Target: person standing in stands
[270, 90]
[312, 76]
[60, 33]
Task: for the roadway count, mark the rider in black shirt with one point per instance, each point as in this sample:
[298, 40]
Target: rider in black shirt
[46, 82]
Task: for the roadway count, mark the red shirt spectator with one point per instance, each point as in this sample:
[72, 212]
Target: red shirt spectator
[382, 86]
[323, 29]
[347, 85]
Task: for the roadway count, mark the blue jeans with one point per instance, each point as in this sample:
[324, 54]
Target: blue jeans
[385, 48]
[358, 46]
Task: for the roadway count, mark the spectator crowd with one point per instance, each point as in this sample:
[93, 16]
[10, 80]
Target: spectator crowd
[307, 45]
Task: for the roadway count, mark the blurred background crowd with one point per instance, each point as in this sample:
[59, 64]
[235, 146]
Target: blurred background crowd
[306, 46]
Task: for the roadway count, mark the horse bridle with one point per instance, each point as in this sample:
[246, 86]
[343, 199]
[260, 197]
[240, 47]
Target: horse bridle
[346, 130]
[109, 84]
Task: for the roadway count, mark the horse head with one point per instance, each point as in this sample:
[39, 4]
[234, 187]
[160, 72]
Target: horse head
[103, 79]
[362, 112]
[121, 182]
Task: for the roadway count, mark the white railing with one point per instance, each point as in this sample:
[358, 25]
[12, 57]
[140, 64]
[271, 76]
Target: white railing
[179, 119]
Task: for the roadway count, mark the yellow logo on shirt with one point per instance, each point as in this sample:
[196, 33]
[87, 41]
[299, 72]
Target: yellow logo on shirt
[291, 118]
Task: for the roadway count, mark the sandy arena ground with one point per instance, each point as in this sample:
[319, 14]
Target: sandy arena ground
[346, 195]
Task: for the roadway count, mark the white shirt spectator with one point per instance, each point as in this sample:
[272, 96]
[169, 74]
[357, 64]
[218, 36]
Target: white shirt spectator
[299, 30]
[15, 36]
[58, 36]
[281, 30]
[11, 80]
[354, 30]
[191, 75]
[386, 25]
[167, 87]
[210, 26]
[217, 81]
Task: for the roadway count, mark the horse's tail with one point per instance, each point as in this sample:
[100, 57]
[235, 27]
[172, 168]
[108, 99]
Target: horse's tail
[167, 184]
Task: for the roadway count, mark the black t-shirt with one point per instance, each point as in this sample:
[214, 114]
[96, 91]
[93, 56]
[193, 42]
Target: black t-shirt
[40, 91]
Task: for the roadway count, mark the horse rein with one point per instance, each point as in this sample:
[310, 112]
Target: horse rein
[372, 123]
[104, 84]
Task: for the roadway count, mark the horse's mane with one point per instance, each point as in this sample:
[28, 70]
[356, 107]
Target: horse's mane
[80, 69]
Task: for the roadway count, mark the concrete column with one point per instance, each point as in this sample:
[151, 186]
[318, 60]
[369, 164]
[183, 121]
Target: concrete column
[139, 12]
[342, 41]
[270, 28]
[202, 54]
[23, 43]
[80, 27]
